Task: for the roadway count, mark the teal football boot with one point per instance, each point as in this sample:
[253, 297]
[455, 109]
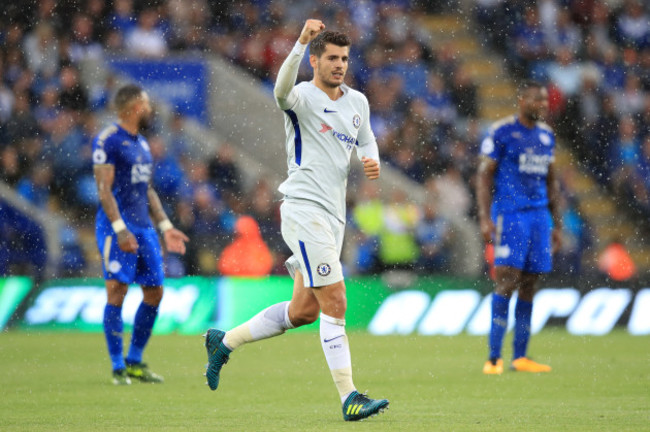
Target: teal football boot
[358, 407]
[218, 355]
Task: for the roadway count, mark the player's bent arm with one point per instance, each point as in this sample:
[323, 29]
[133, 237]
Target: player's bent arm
[369, 156]
[287, 76]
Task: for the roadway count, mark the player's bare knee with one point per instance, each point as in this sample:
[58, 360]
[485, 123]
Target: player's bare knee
[115, 292]
[152, 295]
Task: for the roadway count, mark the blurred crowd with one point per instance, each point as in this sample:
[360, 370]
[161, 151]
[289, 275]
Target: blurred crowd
[424, 108]
[595, 57]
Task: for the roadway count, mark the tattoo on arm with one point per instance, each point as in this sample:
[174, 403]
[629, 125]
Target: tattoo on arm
[104, 177]
[155, 206]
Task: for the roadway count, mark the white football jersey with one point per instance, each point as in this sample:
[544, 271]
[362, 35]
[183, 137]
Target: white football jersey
[321, 134]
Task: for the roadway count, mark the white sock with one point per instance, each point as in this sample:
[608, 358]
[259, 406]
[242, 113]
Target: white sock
[272, 321]
[337, 353]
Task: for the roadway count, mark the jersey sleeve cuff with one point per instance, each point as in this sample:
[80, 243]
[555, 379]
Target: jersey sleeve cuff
[299, 49]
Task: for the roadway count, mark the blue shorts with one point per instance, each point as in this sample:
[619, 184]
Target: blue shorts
[523, 240]
[145, 267]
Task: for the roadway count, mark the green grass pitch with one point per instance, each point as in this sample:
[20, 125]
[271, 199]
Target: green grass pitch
[61, 382]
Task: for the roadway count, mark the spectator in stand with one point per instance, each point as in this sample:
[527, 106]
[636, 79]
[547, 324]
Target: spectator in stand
[168, 176]
[368, 220]
[10, 169]
[263, 208]
[180, 143]
[643, 169]
[631, 100]
[575, 240]
[6, 100]
[48, 109]
[122, 18]
[433, 235]
[65, 148]
[529, 43]
[489, 15]
[565, 34]
[633, 25]
[22, 123]
[626, 178]
[247, 255]
[566, 73]
[72, 95]
[35, 186]
[599, 25]
[616, 262]
[464, 94]
[451, 193]
[612, 69]
[398, 248]
[146, 40]
[223, 171]
[83, 45]
[41, 48]
[441, 107]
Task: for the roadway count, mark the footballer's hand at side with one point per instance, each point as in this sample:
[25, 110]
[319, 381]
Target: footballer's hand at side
[127, 241]
[175, 241]
[370, 168]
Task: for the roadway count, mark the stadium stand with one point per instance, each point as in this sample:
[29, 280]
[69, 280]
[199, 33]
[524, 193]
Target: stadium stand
[434, 82]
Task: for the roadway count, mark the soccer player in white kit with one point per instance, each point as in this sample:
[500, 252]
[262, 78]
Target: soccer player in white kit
[325, 120]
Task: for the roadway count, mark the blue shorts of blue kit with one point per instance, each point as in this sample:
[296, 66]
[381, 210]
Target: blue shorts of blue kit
[145, 267]
[523, 240]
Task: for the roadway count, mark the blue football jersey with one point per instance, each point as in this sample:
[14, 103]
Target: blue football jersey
[131, 157]
[523, 156]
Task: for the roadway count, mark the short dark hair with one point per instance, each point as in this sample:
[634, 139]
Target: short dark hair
[125, 95]
[317, 46]
[529, 84]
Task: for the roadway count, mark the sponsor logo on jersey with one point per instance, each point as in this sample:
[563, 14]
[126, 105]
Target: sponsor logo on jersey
[324, 269]
[356, 121]
[140, 173]
[531, 163]
[328, 111]
[350, 141]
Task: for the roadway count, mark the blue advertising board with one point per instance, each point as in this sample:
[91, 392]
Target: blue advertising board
[181, 83]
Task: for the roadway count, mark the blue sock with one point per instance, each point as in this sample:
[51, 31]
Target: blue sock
[113, 333]
[523, 313]
[499, 324]
[142, 325]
